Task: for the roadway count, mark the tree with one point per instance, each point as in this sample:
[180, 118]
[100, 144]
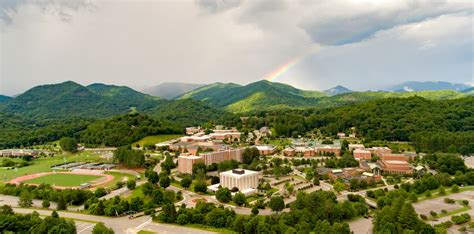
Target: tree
[255, 210]
[408, 217]
[100, 228]
[200, 186]
[45, 204]
[276, 204]
[26, 199]
[199, 168]
[239, 198]
[153, 177]
[168, 164]
[131, 184]
[455, 188]
[68, 144]
[182, 219]
[165, 182]
[186, 182]
[250, 154]
[62, 204]
[223, 195]
[129, 157]
[339, 186]
[54, 214]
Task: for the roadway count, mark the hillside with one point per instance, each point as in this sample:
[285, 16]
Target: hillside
[4, 98]
[427, 85]
[258, 95]
[124, 94]
[265, 95]
[171, 90]
[188, 112]
[71, 99]
[469, 91]
[337, 90]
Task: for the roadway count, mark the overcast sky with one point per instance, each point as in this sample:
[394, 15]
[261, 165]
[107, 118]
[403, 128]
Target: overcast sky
[360, 44]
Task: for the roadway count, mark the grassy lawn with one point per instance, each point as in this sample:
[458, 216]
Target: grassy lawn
[118, 176]
[44, 164]
[138, 192]
[145, 232]
[435, 193]
[453, 212]
[63, 179]
[155, 139]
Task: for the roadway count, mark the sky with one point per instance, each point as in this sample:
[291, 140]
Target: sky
[311, 44]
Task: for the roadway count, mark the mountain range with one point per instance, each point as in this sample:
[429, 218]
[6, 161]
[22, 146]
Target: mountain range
[171, 90]
[427, 85]
[210, 101]
[4, 98]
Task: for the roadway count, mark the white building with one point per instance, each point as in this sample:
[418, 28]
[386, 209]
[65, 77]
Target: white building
[245, 180]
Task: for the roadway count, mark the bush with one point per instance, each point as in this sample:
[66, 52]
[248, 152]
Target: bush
[422, 216]
[455, 188]
[444, 211]
[465, 202]
[449, 200]
[433, 213]
[459, 219]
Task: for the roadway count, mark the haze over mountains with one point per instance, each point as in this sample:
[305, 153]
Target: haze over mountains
[428, 85]
[170, 90]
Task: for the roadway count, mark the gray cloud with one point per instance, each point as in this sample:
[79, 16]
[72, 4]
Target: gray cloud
[363, 46]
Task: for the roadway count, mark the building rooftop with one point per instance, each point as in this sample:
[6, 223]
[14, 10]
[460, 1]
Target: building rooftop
[396, 162]
[190, 156]
[238, 172]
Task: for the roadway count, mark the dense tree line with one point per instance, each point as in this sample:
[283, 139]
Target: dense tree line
[124, 130]
[392, 119]
[33, 223]
[447, 163]
[46, 192]
[398, 216]
[317, 212]
[128, 157]
[21, 131]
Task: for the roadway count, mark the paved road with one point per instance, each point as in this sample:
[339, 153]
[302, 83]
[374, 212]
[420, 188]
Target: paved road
[13, 201]
[120, 225]
[361, 226]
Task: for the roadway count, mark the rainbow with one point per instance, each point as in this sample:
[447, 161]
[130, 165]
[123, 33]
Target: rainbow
[272, 76]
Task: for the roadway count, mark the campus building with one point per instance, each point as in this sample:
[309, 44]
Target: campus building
[245, 180]
[395, 167]
[265, 149]
[186, 162]
[328, 149]
[379, 151]
[223, 155]
[289, 152]
[362, 154]
[356, 146]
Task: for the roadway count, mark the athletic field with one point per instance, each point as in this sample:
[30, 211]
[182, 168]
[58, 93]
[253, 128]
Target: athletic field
[64, 180]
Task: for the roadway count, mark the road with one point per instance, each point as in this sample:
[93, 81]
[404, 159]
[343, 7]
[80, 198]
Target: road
[119, 225]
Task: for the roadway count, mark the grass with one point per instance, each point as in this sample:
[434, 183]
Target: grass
[118, 176]
[202, 227]
[145, 232]
[66, 180]
[435, 193]
[151, 140]
[453, 212]
[44, 164]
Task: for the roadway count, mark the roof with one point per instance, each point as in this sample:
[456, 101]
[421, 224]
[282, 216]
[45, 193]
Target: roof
[190, 156]
[245, 173]
[361, 151]
[418, 168]
[337, 171]
[367, 174]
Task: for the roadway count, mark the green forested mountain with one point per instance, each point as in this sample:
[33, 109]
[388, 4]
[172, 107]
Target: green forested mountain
[124, 94]
[71, 99]
[469, 91]
[189, 112]
[4, 98]
[265, 95]
[125, 129]
[258, 95]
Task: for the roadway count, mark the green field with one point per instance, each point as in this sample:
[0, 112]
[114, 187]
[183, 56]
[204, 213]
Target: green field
[66, 180]
[151, 140]
[44, 164]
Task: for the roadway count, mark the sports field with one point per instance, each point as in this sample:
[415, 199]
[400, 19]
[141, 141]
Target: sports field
[64, 180]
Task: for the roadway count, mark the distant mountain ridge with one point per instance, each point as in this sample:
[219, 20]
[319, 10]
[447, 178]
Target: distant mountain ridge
[427, 85]
[265, 95]
[4, 98]
[171, 90]
[337, 90]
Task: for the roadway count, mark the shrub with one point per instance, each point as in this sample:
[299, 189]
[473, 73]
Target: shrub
[444, 211]
[465, 202]
[463, 218]
[433, 213]
[449, 200]
[422, 216]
